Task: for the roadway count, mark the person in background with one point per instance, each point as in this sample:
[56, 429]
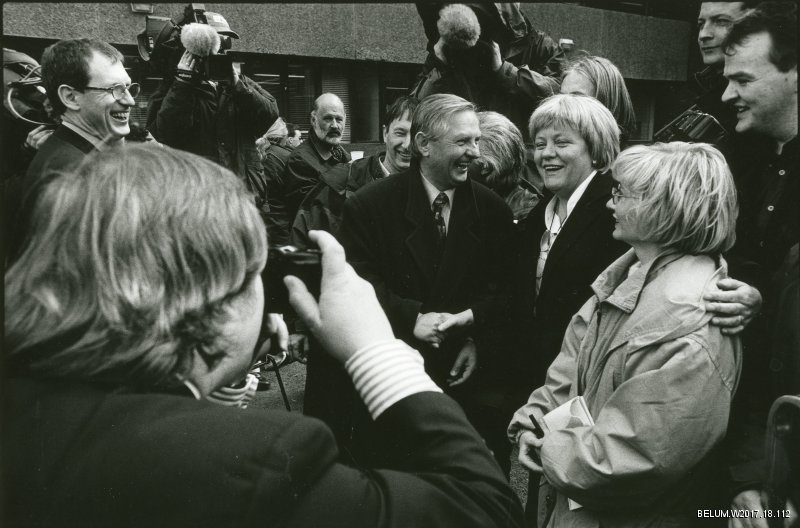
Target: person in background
[502, 164]
[322, 206]
[714, 22]
[137, 295]
[761, 69]
[294, 135]
[599, 78]
[217, 119]
[92, 95]
[643, 354]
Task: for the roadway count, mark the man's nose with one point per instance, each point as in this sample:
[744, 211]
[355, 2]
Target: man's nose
[473, 151]
[127, 99]
[704, 32]
[729, 94]
[406, 142]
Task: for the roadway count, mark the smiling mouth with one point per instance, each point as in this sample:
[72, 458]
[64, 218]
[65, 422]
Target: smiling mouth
[120, 116]
[552, 168]
[463, 166]
[740, 109]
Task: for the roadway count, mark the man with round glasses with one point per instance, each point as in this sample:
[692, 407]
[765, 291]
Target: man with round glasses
[92, 94]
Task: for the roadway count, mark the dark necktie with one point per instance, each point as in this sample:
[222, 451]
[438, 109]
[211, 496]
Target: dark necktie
[338, 154]
[438, 218]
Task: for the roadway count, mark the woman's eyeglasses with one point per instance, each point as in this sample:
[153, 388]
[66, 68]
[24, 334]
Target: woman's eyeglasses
[616, 194]
[118, 90]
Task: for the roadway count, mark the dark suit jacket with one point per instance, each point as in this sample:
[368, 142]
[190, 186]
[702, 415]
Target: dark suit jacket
[582, 250]
[304, 170]
[63, 151]
[92, 456]
[389, 236]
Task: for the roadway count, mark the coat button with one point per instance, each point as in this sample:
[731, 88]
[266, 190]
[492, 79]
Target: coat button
[781, 172]
[770, 208]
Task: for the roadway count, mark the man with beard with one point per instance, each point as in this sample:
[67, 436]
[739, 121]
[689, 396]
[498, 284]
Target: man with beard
[433, 244]
[315, 157]
[322, 206]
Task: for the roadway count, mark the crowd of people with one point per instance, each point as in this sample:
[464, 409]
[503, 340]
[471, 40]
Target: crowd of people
[510, 270]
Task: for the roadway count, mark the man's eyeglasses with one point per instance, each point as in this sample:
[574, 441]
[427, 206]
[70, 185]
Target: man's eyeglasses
[118, 90]
[616, 194]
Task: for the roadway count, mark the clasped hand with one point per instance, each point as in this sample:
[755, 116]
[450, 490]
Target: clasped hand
[435, 327]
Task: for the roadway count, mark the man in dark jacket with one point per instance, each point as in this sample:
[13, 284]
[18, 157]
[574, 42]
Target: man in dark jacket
[218, 120]
[322, 207]
[761, 69]
[434, 245]
[321, 153]
[90, 90]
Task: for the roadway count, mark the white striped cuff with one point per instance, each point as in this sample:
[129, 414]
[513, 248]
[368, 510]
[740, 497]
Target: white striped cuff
[386, 372]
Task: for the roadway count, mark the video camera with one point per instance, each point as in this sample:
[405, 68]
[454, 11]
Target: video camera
[693, 126]
[160, 42]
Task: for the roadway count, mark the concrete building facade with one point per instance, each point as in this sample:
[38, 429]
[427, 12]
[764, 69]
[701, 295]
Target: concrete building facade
[367, 53]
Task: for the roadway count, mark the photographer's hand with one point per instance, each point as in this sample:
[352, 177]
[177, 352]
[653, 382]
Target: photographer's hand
[348, 316]
[189, 62]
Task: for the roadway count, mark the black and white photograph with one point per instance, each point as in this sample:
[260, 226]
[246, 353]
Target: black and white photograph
[400, 265]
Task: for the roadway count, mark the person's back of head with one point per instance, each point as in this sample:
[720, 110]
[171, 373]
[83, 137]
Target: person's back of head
[502, 152]
[608, 87]
[128, 267]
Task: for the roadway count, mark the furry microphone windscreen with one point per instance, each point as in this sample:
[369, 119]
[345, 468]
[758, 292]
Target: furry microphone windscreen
[458, 26]
[200, 39]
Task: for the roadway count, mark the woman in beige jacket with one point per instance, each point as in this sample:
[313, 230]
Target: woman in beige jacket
[657, 377]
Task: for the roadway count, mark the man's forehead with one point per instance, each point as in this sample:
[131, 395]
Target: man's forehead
[401, 121]
[753, 50]
[712, 9]
[103, 67]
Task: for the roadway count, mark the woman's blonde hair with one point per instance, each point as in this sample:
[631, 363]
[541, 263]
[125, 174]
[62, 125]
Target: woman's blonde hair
[588, 117]
[128, 266]
[686, 195]
[503, 151]
[609, 88]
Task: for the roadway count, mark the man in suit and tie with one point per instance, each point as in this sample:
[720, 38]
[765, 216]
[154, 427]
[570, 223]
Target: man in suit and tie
[436, 247]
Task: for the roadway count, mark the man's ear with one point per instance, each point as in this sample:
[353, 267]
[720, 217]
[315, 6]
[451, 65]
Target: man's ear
[423, 144]
[385, 131]
[69, 97]
[313, 118]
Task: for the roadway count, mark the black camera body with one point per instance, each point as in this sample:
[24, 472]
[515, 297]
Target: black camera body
[160, 44]
[306, 265]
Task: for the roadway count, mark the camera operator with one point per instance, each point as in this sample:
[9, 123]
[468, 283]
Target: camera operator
[219, 119]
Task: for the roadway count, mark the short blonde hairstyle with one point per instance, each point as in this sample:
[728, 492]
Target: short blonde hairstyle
[687, 198]
[503, 151]
[588, 117]
[432, 116]
[609, 88]
[128, 267]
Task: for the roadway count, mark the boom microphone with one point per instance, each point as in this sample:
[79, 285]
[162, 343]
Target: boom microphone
[458, 26]
[200, 39]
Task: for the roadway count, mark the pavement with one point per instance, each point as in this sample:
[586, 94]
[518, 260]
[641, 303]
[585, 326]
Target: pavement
[294, 381]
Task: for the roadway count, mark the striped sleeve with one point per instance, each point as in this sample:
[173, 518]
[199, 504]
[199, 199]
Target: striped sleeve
[386, 372]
